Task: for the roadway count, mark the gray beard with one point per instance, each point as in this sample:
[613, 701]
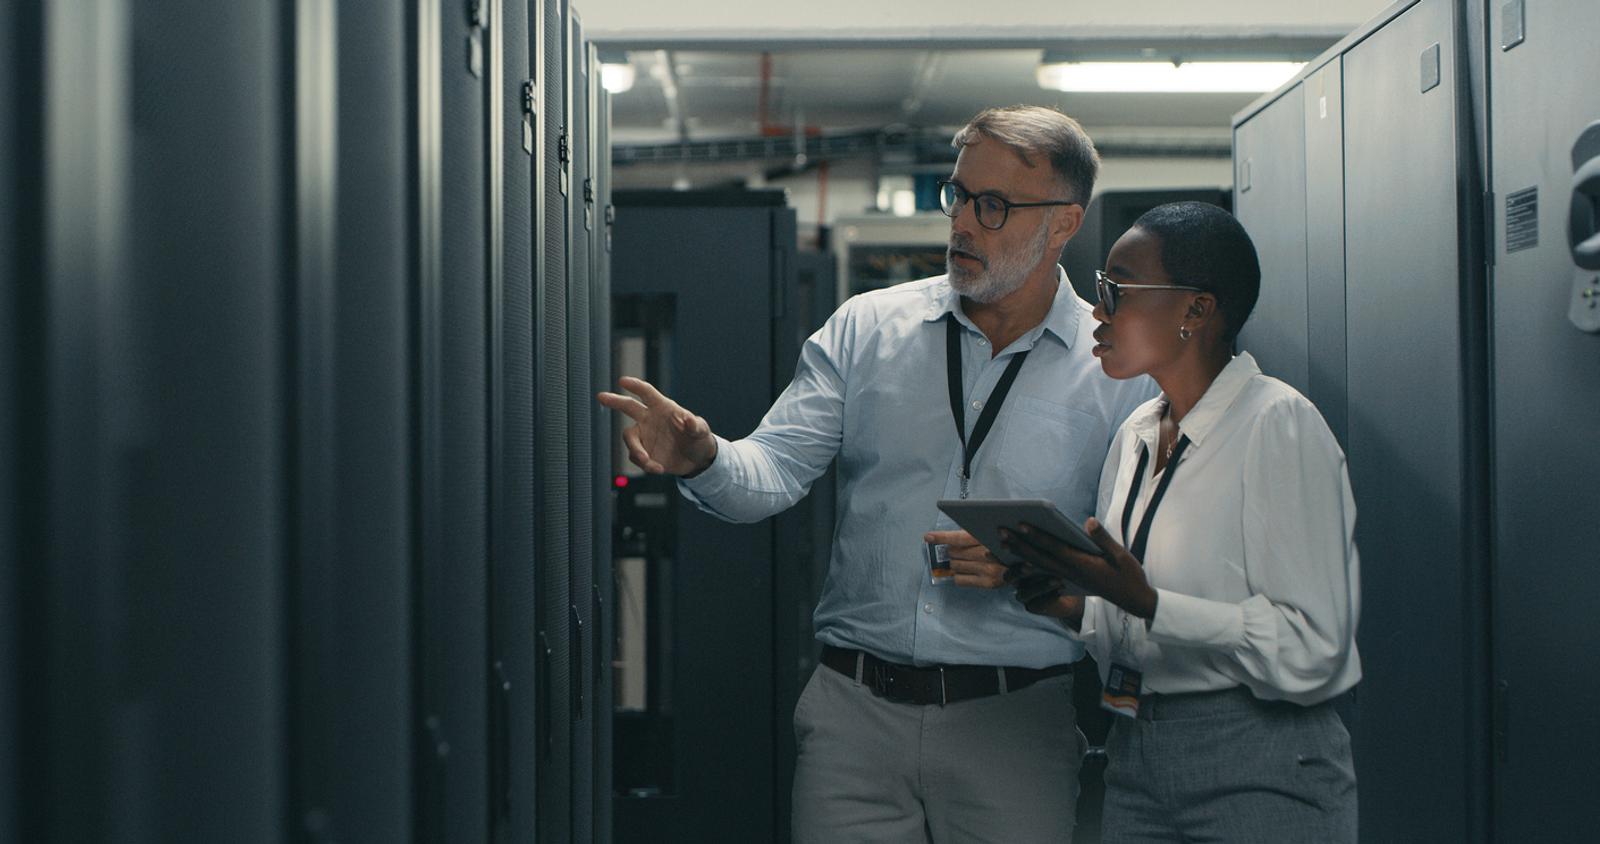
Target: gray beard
[1003, 275]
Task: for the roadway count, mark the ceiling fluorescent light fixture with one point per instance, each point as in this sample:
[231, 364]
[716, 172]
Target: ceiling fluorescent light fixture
[1166, 76]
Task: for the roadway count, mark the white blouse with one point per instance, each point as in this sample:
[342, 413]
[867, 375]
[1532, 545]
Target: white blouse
[1252, 550]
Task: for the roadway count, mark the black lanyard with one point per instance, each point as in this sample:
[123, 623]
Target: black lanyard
[980, 430]
[1137, 548]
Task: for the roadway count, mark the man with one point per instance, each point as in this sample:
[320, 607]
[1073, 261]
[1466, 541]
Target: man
[941, 713]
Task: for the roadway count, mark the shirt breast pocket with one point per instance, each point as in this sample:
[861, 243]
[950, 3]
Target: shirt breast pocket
[1049, 449]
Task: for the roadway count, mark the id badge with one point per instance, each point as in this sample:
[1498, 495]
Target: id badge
[938, 557]
[1121, 694]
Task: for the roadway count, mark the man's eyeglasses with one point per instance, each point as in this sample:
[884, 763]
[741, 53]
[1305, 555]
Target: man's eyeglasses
[991, 209]
[1109, 291]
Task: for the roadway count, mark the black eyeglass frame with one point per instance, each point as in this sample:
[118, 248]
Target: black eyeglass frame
[1109, 290]
[952, 207]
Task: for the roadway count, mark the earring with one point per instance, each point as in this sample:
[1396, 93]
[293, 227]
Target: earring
[1184, 333]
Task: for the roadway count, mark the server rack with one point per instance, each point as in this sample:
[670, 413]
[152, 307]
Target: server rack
[348, 438]
[597, 220]
[514, 743]
[286, 423]
[557, 618]
[702, 753]
[455, 515]
[580, 375]
[151, 469]
[1372, 302]
[1545, 309]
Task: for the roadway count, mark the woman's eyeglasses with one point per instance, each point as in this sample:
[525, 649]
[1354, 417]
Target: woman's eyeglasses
[1109, 291]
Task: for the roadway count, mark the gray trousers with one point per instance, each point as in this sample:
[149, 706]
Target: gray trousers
[1223, 766]
[999, 768]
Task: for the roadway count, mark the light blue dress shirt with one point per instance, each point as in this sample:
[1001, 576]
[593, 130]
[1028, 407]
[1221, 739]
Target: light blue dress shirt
[871, 388]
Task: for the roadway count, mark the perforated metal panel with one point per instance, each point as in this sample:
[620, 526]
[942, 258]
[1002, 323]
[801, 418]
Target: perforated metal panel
[554, 447]
[457, 575]
[600, 438]
[160, 691]
[514, 745]
[580, 376]
[351, 648]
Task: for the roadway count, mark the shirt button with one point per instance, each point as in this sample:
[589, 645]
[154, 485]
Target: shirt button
[977, 405]
[982, 341]
[927, 608]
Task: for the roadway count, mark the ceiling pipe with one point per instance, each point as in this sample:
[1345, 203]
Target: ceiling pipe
[764, 105]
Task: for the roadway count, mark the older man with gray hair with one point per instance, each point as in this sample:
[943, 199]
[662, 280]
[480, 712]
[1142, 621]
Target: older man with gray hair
[943, 710]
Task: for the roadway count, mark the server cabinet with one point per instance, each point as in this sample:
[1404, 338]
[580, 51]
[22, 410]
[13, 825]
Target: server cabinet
[19, 260]
[454, 430]
[151, 467]
[1546, 297]
[1289, 192]
[1410, 396]
[553, 451]
[1372, 217]
[580, 375]
[597, 221]
[1270, 187]
[1323, 93]
[348, 442]
[513, 740]
[697, 751]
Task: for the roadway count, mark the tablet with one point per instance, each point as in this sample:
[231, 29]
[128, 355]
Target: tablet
[984, 517]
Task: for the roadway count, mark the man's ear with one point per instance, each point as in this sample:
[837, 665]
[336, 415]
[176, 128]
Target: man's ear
[1065, 224]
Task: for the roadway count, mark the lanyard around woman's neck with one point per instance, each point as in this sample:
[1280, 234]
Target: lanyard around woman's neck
[1139, 541]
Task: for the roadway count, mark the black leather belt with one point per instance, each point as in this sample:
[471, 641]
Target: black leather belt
[939, 684]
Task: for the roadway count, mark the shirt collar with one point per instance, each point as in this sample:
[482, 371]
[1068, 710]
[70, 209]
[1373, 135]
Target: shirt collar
[1062, 320]
[1204, 417]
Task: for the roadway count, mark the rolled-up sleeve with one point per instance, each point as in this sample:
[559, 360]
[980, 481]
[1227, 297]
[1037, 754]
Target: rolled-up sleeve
[1294, 635]
[768, 471]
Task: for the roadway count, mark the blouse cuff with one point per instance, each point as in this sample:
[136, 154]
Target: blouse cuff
[1196, 622]
[1086, 627]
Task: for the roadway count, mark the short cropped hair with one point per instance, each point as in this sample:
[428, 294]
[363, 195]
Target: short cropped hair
[1204, 246]
[1036, 132]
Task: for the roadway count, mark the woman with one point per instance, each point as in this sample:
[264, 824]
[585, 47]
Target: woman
[1226, 603]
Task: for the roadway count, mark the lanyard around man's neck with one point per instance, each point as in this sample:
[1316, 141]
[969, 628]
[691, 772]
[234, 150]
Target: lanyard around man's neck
[991, 408]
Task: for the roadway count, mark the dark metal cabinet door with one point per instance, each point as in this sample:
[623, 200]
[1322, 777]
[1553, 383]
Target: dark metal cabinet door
[552, 444]
[1270, 200]
[1546, 415]
[455, 477]
[1406, 429]
[581, 404]
[350, 650]
[600, 344]
[514, 744]
[1324, 247]
[722, 577]
[159, 702]
[18, 262]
